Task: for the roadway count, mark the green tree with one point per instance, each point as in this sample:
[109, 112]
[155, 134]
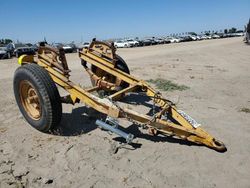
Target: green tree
[7, 41]
[232, 30]
[192, 33]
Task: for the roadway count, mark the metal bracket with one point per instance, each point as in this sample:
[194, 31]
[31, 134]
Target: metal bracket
[113, 127]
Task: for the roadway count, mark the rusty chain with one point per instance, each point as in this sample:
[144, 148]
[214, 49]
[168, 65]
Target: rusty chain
[143, 125]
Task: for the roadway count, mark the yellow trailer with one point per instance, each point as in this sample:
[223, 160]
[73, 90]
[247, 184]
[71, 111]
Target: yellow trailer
[35, 88]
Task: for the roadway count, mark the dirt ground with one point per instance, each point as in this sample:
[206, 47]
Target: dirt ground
[218, 74]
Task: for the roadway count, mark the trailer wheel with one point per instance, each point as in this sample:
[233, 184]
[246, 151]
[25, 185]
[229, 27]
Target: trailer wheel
[37, 97]
[121, 65]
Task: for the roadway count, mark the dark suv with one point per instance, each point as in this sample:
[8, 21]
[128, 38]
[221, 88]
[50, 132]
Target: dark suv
[20, 49]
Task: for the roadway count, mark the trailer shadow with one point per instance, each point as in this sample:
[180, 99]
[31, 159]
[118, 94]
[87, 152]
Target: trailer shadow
[80, 121]
[137, 99]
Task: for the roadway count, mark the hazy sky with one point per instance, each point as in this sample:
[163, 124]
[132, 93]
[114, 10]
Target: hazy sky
[73, 20]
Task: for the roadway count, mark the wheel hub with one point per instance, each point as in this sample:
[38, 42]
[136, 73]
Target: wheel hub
[30, 100]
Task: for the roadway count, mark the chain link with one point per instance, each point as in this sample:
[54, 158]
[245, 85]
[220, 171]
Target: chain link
[143, 125]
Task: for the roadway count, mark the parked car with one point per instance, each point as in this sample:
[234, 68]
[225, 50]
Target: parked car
[239, 34]
[67, 48]
[145, 42]
[132, 42]
[18, 49]
[80, 46]
[153, 41]
[166, 40]
[215, 36]
[140, 42]
[5, 53]
[198, 37]
[209, 36]
[122, 44]
[221, 35]
[86, 44]
[150, 41]
[203, 37]
[73, 46]
[159, 40]
[185, 39]
[173, 39]
[193, 37]
[35, 47]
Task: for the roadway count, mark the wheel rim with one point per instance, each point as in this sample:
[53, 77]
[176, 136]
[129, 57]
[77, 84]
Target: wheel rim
[30, 100]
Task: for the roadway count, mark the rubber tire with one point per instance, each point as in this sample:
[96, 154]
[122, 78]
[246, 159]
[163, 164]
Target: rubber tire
[48, 95]
[121, 65]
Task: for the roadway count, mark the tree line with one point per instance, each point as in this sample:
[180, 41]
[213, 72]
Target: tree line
[5, 41]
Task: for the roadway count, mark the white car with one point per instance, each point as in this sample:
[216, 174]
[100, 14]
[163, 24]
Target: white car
[209, 36]
[86, 44]
[122, 44]
[132, 42]
[239, 34]
[193, 37]
[67, 48]
[173, 39]
[80, 46]
[214, 36]
[203, 37]
[198, 37]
